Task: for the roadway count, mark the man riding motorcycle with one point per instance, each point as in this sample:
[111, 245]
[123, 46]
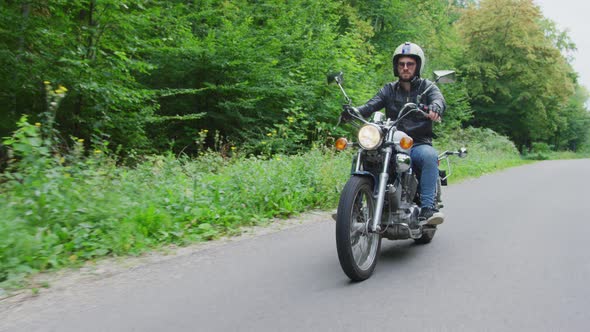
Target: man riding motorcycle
[408, 65]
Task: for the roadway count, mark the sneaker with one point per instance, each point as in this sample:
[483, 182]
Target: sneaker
[431, 215]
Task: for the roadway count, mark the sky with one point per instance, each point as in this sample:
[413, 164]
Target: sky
[573, 15]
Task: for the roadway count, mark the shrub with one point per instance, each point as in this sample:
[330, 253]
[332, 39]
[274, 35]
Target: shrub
[61, 211]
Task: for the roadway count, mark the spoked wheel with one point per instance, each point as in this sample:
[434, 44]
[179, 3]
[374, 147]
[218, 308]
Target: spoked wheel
[357, 248]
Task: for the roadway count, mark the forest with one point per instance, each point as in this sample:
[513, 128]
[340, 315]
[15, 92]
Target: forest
[152, 76]
[128, 125]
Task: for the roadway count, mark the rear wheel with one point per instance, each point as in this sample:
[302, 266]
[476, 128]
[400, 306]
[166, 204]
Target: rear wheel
[429, 231]
[357, 248]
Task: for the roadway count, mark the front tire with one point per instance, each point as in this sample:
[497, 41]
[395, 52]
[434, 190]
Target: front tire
[357, 248]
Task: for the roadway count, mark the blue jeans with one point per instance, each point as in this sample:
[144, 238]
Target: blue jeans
[425, 159]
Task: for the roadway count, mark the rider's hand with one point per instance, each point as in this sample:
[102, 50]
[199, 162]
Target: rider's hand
[347, 113]
[424, 108]
[433, 113]
[433, 116]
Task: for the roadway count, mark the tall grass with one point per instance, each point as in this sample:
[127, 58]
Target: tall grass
[59, 211]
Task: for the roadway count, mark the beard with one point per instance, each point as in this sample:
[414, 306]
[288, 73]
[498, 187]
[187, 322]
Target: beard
[405, 78]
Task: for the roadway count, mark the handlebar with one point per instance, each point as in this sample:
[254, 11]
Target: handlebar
[462, 152]
[412, 107]
[353, 113]
[408, 108]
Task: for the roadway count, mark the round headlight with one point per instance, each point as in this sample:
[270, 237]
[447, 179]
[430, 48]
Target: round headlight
[370, 137]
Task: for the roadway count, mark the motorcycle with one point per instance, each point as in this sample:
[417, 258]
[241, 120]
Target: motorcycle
[381, 198]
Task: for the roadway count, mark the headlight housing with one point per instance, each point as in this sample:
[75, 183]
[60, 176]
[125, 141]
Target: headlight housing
[370, 137]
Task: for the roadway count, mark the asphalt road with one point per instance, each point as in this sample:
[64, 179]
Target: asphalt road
[512, 256]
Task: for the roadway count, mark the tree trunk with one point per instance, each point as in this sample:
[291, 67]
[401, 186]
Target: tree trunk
[90, 51]
[26, 11]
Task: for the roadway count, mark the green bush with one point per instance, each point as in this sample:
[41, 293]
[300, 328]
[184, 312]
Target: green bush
[62, 210]
[539, 151]
[487, 152]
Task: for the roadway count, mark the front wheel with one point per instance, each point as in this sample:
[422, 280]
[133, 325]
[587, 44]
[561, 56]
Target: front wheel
[357, 248]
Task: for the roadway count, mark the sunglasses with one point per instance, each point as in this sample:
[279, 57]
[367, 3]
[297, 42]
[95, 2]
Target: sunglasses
[406, 64]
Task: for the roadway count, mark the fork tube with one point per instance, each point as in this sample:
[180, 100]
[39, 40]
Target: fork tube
[383, 177]
[358, 160]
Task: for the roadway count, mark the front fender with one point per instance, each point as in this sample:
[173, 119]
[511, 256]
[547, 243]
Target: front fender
[369, 175]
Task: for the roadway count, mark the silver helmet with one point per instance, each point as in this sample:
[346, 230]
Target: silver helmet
[411, 50]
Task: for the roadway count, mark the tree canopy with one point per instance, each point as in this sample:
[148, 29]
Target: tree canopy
[150, 76]
[519, 82]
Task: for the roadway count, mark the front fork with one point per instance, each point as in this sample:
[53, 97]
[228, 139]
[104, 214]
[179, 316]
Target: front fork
[383, 178]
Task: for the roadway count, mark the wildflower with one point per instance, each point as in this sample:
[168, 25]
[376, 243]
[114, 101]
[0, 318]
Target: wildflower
[61, 90]
[37, 124]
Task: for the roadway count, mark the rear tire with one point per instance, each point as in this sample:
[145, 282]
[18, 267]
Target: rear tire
[429, 231]
[357, 248]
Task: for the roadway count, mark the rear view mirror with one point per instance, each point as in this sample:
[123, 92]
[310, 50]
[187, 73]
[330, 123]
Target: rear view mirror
[336, 77]
[444, 76]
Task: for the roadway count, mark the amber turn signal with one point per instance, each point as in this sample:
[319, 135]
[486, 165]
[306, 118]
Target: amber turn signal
[341, 143]
[406, 142]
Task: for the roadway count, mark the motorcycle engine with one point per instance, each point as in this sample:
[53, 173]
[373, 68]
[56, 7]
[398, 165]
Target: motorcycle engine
[410, 187]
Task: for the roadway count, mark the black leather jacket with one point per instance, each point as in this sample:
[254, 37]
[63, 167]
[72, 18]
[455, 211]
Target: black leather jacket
[392, 97]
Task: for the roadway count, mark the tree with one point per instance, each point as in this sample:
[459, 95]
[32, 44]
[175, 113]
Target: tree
[259, 66]
[574, 133]
[152, 74]
[94, 48]
[517, 78]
